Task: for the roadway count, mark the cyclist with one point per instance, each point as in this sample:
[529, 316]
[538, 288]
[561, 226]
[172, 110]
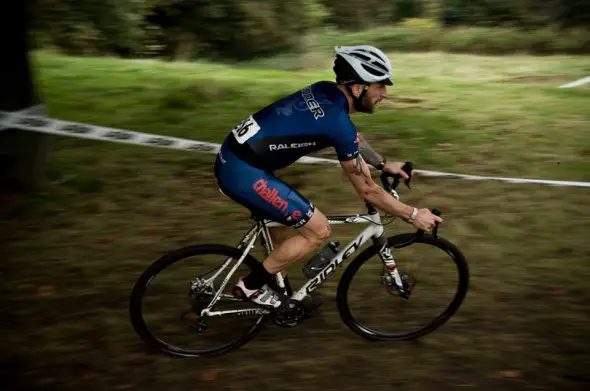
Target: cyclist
[308, 120]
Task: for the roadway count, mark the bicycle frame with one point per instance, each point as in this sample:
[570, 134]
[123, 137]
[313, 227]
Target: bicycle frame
[373, 231]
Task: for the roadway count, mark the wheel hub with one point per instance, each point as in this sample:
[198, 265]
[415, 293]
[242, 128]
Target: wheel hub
[392, 288]
[199, 294]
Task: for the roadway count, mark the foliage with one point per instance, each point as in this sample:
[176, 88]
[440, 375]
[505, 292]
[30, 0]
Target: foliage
[243, 30]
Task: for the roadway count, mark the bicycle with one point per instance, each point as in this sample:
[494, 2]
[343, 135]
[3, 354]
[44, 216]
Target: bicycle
[203, 295]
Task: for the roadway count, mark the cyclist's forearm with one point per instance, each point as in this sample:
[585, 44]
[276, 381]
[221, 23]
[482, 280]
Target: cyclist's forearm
[369, 154]
[359, 175]
[382, 200]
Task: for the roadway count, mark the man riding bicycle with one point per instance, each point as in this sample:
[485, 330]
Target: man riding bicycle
[308, 120]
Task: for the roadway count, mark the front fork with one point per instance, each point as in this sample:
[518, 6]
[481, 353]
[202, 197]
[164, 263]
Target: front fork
[392, 274]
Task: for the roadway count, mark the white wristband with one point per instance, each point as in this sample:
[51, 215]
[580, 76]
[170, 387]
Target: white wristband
[413, 216]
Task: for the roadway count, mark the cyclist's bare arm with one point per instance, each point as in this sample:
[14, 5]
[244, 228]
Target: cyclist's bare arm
[359, 175]
[369, 154]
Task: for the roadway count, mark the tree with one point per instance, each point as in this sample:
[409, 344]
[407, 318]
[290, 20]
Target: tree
[22, 154]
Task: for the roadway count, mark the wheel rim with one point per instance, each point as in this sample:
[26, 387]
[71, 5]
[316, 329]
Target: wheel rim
[432, 319]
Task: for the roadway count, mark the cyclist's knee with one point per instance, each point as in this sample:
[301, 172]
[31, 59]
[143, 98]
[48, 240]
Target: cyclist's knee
[322, 234]
[317, 230]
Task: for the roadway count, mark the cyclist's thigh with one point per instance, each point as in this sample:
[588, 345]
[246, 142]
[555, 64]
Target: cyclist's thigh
[262, 193]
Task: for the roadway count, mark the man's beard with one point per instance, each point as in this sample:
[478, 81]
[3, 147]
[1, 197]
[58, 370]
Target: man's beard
[366, 106]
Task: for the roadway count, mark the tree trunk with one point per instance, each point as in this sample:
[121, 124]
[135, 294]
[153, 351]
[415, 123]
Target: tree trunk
[23, 154]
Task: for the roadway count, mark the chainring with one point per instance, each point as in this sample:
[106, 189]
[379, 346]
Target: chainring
[292, 316]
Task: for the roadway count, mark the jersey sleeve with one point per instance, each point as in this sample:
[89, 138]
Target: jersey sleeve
[344, 138]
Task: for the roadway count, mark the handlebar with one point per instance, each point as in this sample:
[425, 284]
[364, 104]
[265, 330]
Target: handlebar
[408, 167]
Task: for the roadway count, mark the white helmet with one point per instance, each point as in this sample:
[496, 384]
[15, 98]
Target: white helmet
[362, 63]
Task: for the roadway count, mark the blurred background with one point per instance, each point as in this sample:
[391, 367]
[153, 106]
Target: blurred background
[476, 92]
[232, 29]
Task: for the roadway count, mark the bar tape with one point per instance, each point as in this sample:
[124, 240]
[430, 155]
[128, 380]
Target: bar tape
[30, 120]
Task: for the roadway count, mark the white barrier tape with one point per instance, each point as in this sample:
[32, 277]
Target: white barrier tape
[17, 120]
[504, 179]
[94, 132]
[37, 110]
[464, 176]
[576, 83]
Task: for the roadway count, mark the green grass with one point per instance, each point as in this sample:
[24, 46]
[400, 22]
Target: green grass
[77, 247]
[481, 99]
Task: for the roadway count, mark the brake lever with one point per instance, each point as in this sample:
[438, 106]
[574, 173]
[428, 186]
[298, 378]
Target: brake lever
[408, 167]
[420, 232]
[438, 213]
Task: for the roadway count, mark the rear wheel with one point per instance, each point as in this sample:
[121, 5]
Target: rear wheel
[238, 323]
[414, 312]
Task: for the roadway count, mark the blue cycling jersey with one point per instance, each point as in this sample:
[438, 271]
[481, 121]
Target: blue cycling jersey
[311, 119]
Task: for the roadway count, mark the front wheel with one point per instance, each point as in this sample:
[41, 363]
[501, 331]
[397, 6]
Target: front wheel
[415, 310]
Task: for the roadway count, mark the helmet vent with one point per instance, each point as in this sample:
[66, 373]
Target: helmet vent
[372, 70]
[379, 65]
[362, 56]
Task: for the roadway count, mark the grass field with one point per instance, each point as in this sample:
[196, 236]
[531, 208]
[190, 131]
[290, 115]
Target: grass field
[77, 247]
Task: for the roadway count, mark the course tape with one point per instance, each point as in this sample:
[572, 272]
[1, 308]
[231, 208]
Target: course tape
[576, 83]
[24, 121]
[93, 132]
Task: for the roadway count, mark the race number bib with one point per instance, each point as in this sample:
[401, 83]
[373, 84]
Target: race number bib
[246, 129]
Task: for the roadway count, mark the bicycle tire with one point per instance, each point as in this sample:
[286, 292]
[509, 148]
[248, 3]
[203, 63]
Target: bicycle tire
[135, 307]
[400, 241]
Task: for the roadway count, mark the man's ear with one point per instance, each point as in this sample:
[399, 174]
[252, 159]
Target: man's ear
[356, 90]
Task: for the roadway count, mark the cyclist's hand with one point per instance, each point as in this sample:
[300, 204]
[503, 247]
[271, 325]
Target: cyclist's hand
[426, 220]
[395, 168]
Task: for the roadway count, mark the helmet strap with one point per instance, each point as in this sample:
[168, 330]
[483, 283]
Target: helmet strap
[357, 102]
